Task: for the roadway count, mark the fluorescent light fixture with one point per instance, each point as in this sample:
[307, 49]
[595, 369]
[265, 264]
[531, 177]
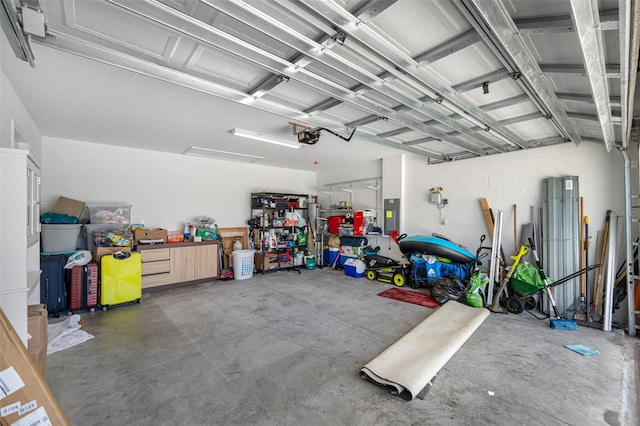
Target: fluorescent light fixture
[374, 187]
[327, 192]
[262, 137]
[346, 189]
[222, 155]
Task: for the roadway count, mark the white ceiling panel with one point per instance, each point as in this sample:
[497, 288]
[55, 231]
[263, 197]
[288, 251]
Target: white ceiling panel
[534, 129]
[425, 24]
[516, 110]
[235, 72]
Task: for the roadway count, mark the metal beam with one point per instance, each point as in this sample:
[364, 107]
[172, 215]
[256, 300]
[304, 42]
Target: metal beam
[372, 8]
[634, 48]
[493, 20]
[582, 116]
[522, 118]
[476, 83]
[506, 102]
[624, 36]
[449, 47]
[562, 24]
[614, 101]
[611, 70]
[267, 84]
[587, 21]
[323, 105]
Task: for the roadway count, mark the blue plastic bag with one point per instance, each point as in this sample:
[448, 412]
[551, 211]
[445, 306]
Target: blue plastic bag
[58, 218]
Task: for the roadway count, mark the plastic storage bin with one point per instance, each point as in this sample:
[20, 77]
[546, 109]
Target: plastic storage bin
[110, 213]
[59, 238]
[242, 264]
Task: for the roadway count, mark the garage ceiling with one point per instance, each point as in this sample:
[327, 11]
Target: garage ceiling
[448, 80]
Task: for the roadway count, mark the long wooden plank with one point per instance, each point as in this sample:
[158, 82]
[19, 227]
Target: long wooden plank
[488, 216]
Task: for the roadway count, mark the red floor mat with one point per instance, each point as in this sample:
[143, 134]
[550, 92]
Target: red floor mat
[409, 296]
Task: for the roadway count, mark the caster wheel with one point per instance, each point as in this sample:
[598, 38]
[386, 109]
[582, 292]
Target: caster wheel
[105, 308]
[92, 310]
[398, 279]
[138, 300]
[530, 303]
[514, 305]
[372, 275]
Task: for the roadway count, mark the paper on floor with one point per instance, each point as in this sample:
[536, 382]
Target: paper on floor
[65, 334]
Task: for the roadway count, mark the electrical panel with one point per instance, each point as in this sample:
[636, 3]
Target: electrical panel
[391, 215]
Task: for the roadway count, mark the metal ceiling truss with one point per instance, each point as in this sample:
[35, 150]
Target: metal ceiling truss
[433, 84]
[498, 30]
[246, 13]
[417, 98]
[214, 37]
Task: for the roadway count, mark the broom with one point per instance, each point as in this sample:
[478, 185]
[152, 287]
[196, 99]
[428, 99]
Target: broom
[558, 323]
[580, 308]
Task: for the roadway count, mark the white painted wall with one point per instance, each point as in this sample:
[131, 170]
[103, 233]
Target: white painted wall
[25, 130]
[165, 190]
[361, 197]
[505, 180]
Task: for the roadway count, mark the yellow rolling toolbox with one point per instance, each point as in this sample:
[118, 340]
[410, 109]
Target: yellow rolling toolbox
[120, 279]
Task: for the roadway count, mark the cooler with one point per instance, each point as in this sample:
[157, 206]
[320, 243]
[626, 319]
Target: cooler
[354, 268]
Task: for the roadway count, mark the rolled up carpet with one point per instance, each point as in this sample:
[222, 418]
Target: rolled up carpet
[406, 367]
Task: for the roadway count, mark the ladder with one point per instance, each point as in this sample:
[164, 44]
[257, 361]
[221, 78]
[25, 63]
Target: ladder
[631, 263]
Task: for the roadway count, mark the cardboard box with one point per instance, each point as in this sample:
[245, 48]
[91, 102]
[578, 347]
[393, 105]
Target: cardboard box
[15, 362]
[98, 252]
[266, 261]
[69, 206]
[37, 327]
[150, 234]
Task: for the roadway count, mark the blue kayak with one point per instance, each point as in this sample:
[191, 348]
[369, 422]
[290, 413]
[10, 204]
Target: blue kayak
[435, 246]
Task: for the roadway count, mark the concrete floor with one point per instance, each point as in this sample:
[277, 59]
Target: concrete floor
[286, 348]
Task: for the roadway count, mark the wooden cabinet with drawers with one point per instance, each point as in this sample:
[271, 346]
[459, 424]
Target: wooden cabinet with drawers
[179, 263]
[155, 267]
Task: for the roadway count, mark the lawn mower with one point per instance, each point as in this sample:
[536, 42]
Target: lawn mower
[387, 270]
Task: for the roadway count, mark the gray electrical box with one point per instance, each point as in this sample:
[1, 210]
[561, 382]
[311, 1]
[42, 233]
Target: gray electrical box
[391, 215]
